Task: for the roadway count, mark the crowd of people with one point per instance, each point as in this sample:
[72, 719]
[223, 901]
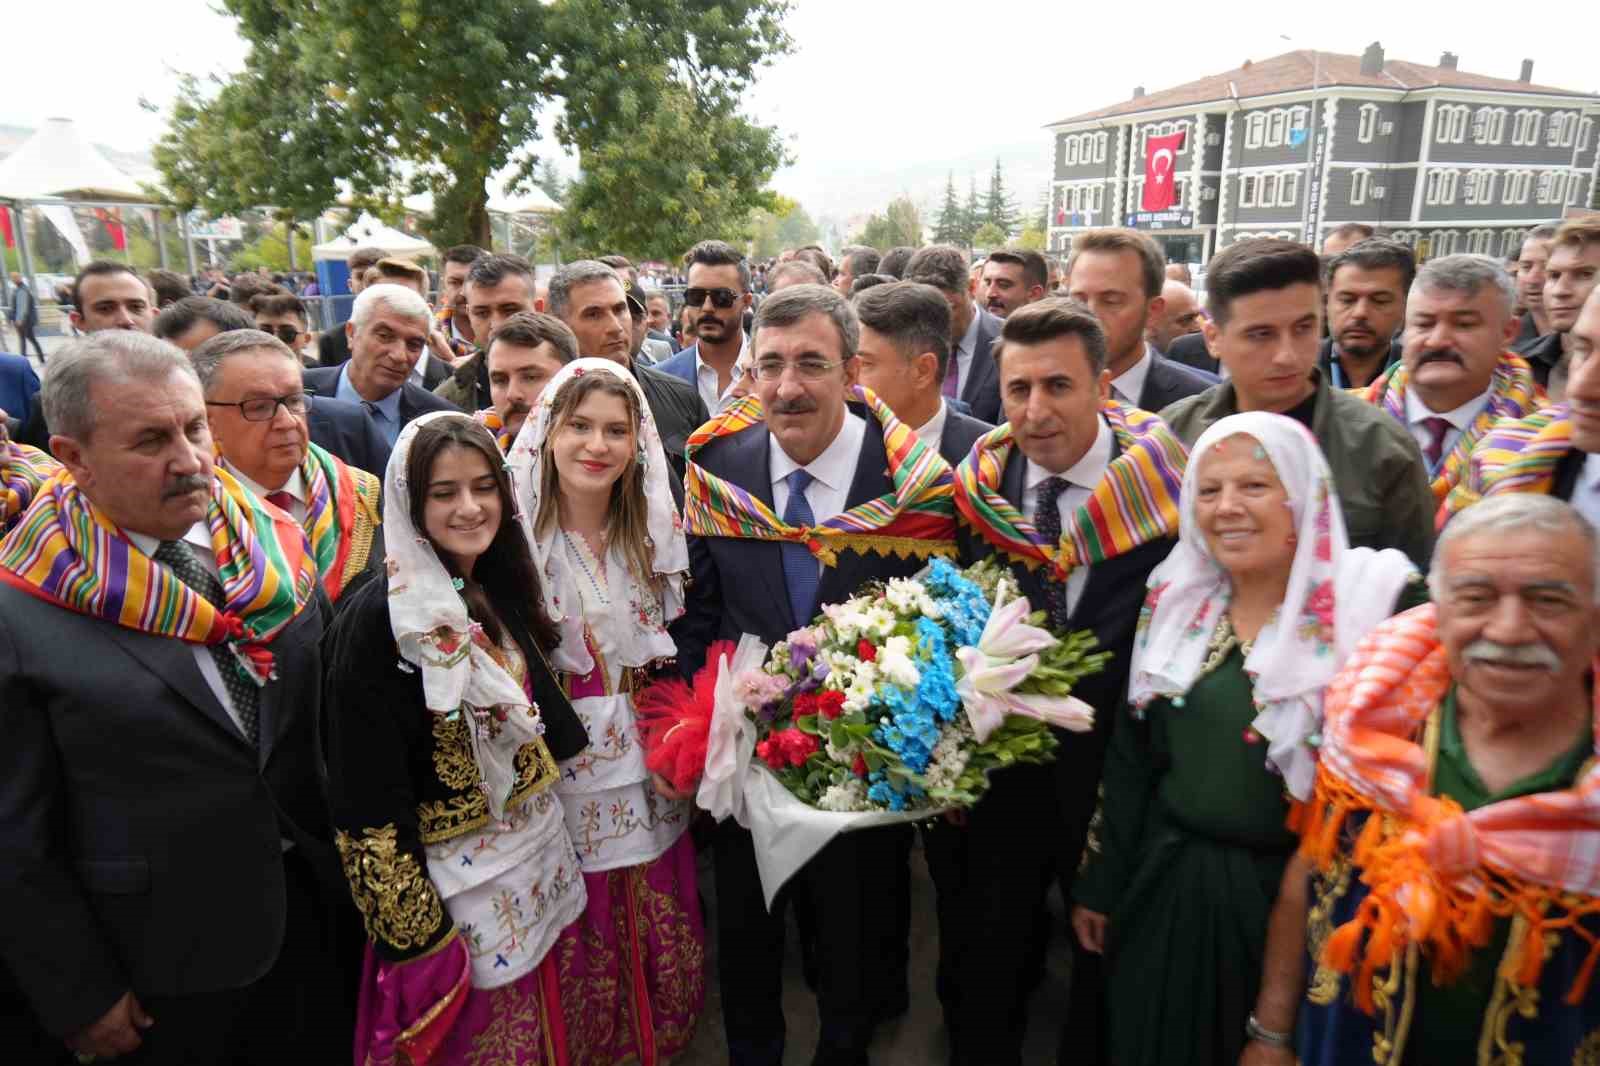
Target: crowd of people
[320, 656]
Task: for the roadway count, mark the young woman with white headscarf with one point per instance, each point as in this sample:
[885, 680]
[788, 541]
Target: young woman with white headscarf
[1244, 624]
[444, 724]
[593, 487]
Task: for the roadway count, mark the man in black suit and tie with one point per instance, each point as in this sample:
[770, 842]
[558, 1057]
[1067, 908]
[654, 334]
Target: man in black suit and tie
[904, 355]
[1119, 274]
[168, 881]
[813, 458]
[993, 869]
[972, 329]
[388, 332]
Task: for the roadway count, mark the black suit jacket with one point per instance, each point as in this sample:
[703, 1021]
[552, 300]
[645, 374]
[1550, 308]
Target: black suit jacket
[140, 832]
[738, 585]
[981, 390]
[1190, 350]
[414, 402]
[960, 434]
[333, 347]
[1543, 356]
[1168, 382]
[435, 373]
[678, 410]
[346, 430]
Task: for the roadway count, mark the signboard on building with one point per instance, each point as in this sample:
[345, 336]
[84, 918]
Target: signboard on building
[1161, 220]
[1319, 148]
[216, 229]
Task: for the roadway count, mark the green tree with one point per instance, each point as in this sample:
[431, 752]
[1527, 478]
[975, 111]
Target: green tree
[999, 209]
[797, 229]
[386, 99]
[548, 178]
[951, 225]
[786, 226]
[1032, 237]
[900, 224]
[971, 214]
[988, 236]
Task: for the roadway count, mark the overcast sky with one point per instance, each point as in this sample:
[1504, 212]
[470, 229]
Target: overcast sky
[879, 94]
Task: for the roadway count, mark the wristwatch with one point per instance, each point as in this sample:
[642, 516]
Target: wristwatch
[1255, 1031]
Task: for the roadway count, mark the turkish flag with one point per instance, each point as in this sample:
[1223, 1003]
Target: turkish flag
[5, 227]
[112, 220]
[1160, 154]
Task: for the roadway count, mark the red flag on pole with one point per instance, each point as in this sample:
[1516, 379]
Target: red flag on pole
[113, 223]
[1160, 155]
[5, 227]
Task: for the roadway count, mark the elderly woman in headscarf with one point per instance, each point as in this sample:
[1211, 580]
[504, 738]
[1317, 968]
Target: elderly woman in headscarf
[1243, 626]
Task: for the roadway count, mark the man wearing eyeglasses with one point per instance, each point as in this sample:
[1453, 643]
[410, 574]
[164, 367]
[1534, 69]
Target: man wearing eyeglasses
[257, 409]
[717, 298]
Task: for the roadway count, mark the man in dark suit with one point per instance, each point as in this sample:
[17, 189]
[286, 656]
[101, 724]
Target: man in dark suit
[1367, 285]
[993, 871]
[813, 457]
[717, 298]
[388, 332]
[1119, 274]
[19, 385]
[1190, 350]
[588, 296]
[972, 329]
[153, 794]
[904, 355]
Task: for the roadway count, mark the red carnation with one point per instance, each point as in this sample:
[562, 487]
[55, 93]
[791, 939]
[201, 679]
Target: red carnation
[797, 746]
[770, 752]
[830, 704]
[866, 651]
[859, 767]
[804, 704]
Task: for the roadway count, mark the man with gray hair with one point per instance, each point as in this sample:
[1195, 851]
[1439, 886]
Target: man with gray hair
[1456, 377]
[259, 415]
[1458, 746]
[973, 377]
[588, 296]
[388, 332]
[160, 691]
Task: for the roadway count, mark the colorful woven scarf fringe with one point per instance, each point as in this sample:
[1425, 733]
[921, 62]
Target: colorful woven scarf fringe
[1516, 455]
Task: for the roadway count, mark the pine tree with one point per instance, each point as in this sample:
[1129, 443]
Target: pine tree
[971, 214]
[999, 210]
[949, 227]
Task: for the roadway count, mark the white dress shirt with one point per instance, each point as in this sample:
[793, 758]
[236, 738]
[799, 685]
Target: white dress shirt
[1460, 420]
[932, 431]
[1082, 477]
[419, 372]
[831, 472]
[299, 503]
[705, 378]
[964, 349]
[1128, 385]
[1586, 493]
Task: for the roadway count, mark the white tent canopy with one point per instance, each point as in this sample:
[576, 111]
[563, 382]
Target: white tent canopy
[368, 232]
[58, 161]
[533, 202]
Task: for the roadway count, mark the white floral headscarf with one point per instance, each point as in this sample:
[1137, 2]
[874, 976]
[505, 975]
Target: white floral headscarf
[436, 635]
[1335, 595]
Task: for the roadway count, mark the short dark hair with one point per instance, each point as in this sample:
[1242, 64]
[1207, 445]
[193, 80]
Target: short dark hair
[529, 329]
[276, 304]
[943, 266]
[1034, 272]
[362, 258]
[1262, 264]
[246, 287]
[915, 318]
[863, 282]
[1152, 263]
[170, 287]
[1376, 253]
[492, 269]
[860, 259]
[798, 302]
[99, 268]
[1359, 230]
[817, 258]
[1050, 318]
[719, 253]
[894, 261]
[177, 319]
[466, 254]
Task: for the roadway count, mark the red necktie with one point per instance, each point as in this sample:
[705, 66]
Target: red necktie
[1437, 428]
[282, 501]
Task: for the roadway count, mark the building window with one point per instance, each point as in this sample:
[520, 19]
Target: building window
[1552, 133]
[1574, 186]
[1267, 193]
[1510, 243]
[1526, 129]
[1545, 187]
[1247, 190]
[1277, 127]
[1100, 148]
[1480, 241]
[1367, 125]
[1519, 184]
[1585, 128]
[1480, 187]
[1255, 125]
[1360, 186]
[1489, 125]
[1441, 186]
[1450, 124]
[1289, 188]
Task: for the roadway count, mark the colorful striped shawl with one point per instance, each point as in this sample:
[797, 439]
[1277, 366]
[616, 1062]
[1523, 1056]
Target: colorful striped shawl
[1516, 455]
[1513, 394]
[1438, 875]
[22, 470]
[914, 519]
[341, 516]
[65, 550]
[1135, 503]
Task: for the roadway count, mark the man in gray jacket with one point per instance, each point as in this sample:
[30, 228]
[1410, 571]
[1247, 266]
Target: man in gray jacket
[24, 315]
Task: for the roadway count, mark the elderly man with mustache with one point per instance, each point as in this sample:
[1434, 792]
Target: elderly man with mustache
[1447, 887]
[1456, 377]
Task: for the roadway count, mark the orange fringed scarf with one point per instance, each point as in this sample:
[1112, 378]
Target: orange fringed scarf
[1438, 877]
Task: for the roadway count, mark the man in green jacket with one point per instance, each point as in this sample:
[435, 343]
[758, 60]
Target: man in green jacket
[1264, 299]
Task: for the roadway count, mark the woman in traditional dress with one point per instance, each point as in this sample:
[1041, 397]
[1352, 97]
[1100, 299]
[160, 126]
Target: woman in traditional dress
[593, 485]
[1245, 622]
[444, 724]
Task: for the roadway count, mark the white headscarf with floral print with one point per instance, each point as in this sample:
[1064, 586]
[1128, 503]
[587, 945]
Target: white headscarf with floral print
[1335, 595]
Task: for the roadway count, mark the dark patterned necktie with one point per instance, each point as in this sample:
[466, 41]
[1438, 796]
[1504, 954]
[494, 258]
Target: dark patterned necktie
[1047, 520]
[1437, 429]
[241, 690]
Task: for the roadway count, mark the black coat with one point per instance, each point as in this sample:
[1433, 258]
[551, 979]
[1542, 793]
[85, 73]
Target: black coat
[678, 411]
[1168, 382]
[1190, 350]
[347, 431]
[981, 390]
[961, 432]
[414, 402]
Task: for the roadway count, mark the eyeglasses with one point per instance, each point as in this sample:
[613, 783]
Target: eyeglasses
[284, 332]
[807, 369]
[265, 408]
[722, 299]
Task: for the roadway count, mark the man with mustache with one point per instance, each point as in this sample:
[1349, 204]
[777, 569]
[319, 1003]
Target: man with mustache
[1447, 873]
[160, 689]
[717, 298]
[1456, 377]
[1367, 285]
[1011, 277]
[1569, 276]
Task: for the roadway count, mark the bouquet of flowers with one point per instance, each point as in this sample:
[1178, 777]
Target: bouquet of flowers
[892, 705]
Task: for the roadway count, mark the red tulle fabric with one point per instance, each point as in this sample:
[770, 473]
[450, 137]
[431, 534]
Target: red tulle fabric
[675, 721]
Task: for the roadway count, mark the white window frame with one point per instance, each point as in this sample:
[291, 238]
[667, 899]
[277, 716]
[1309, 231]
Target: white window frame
[1585, 130]
[1544, 187]
[1360, 186]
[1574, 184]
[1100, 147]
[1289, 188]
[1510, 242]
[1267, 191]
[1367, 124]
[1552, 133]
[1480, 187]
[1255, 129]
[1249, 186]
[1277, 127]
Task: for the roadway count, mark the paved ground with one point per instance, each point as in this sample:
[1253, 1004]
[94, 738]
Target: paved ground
[915, 1039]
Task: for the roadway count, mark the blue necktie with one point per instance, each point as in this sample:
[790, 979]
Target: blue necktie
[799, 565]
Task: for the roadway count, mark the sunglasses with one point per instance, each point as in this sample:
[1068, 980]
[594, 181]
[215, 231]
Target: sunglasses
[285, 333]
[721, 299]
